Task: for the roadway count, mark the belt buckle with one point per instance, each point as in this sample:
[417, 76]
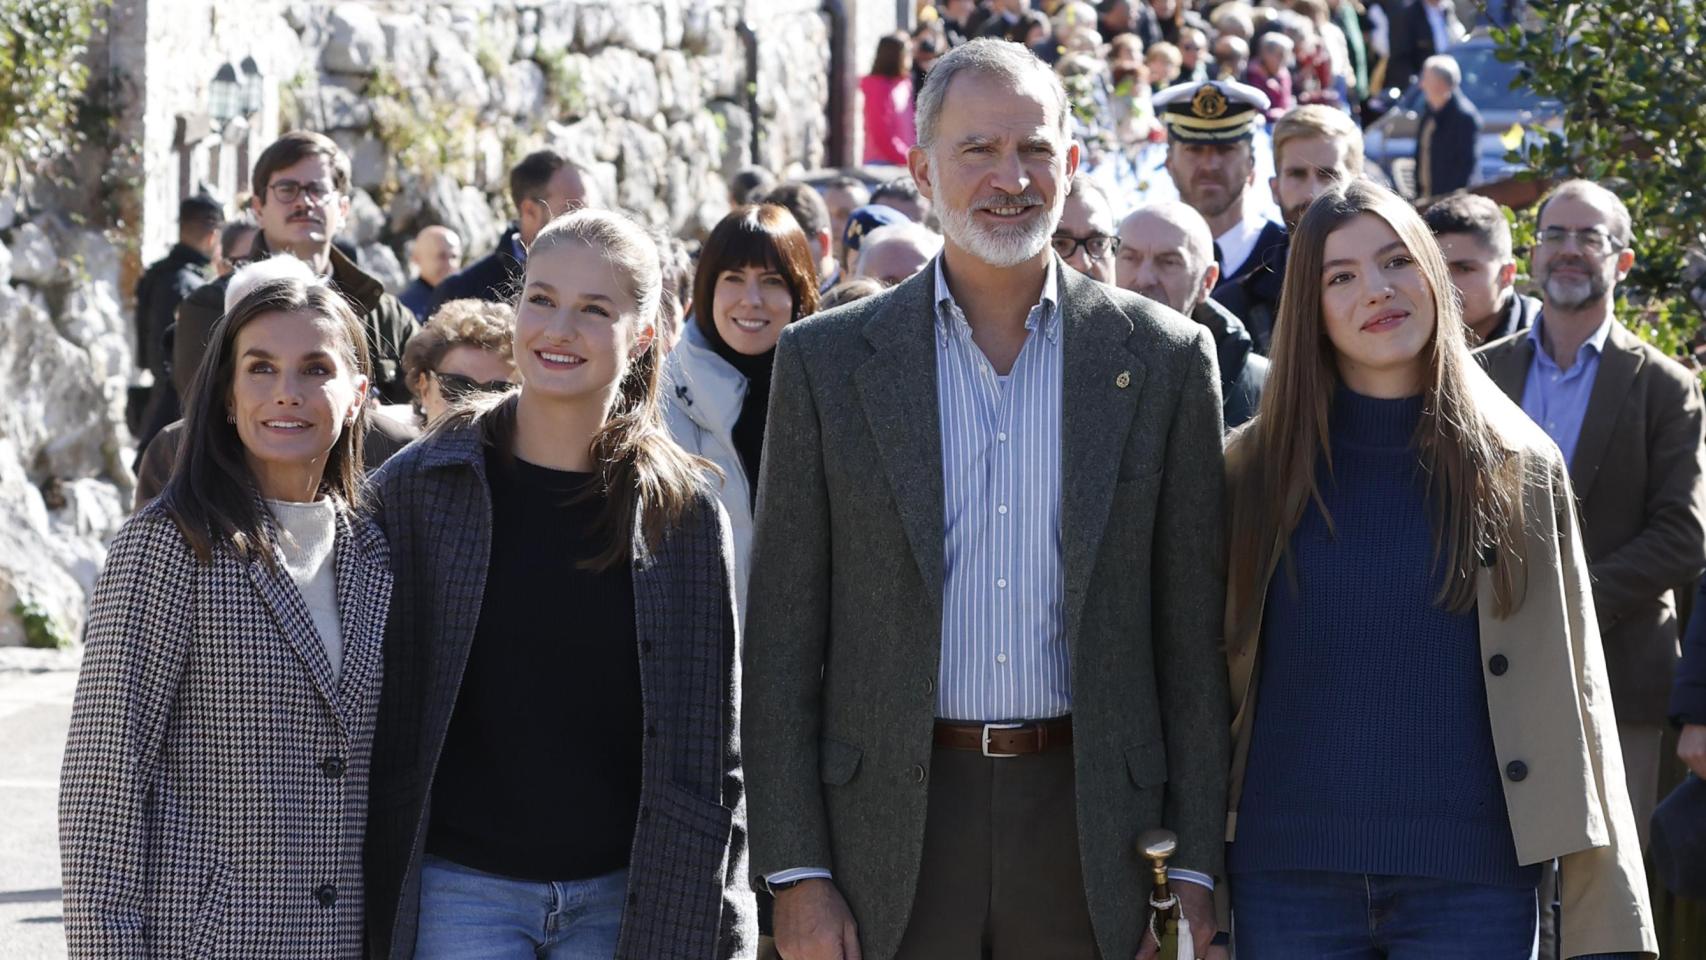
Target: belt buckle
[997, 726]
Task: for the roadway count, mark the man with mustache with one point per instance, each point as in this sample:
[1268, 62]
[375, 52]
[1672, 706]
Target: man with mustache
[1629, 422]
[301, 184]
[1209, 155]
[1167, 254]
[970, 681]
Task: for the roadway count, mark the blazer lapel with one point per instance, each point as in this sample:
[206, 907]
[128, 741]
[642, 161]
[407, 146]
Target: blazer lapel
[364, 597]
[290, 613]
[1618, 364]
[1101, 384]
[1508, 367]
[897, 387]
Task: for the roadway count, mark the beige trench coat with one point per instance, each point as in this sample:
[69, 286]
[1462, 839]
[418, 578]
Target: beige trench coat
[1550, 709]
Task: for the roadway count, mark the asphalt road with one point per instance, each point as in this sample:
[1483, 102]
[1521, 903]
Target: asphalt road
[35, 707]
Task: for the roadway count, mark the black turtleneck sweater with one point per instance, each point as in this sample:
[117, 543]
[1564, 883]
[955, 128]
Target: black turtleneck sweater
[749, 427]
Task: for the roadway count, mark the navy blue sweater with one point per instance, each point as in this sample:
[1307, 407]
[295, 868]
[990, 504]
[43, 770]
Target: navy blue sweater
[1371, 751]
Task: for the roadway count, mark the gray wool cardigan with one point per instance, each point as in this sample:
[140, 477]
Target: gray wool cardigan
[687, 892]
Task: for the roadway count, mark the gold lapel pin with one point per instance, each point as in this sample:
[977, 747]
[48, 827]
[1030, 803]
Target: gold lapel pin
[1123, 380]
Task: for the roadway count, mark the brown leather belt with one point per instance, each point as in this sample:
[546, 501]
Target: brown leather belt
[1005, 739]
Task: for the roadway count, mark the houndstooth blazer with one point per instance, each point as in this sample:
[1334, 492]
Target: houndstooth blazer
[687, 893]
[214, 793]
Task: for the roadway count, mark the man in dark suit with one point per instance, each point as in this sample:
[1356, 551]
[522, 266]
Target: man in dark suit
[1629, 421]
[542, 186]
[161, 288]
[1421, 29]
[1448, 143]
[982, 643]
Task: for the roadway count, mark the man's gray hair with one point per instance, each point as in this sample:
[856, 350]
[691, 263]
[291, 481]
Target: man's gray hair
[1621, 228]
[1092, 193]
[1445, 66]
[1012, 62]
[920, 236]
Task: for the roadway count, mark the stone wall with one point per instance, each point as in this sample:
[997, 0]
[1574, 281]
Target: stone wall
[434, 100]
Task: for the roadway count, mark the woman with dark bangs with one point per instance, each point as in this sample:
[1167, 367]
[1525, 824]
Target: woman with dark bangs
[1422, 711]
[755, 276]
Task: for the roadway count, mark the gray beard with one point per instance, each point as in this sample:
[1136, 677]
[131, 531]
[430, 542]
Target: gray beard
[1573, 294]
[1002, 246]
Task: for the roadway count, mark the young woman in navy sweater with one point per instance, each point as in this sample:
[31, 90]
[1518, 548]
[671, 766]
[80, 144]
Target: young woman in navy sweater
[1422, 710]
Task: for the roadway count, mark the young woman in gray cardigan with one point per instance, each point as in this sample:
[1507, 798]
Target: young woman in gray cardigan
[214, 797]
[557, 770]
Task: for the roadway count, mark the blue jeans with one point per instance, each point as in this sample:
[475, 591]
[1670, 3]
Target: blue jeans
[467, 913]
[1349, 916]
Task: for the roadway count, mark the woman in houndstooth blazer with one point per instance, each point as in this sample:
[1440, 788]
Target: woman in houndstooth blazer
[214, 796]
[556, 771]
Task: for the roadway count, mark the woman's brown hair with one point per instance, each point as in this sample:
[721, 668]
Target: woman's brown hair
[641, 469]
[892, 56]
[480, 324]
[761, 235]
[1474, 477]
[212, 494]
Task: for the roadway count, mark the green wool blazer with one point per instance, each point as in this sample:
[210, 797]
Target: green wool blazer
[845, 604]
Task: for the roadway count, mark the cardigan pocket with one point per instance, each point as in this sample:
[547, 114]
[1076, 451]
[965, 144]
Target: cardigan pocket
[210, 912]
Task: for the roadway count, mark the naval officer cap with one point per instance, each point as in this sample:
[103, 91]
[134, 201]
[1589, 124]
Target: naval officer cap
[1210, 111]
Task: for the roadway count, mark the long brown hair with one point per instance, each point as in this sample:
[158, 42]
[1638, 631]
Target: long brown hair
[761, 235]
[640, 467]
[212, 494]
[1474, 477]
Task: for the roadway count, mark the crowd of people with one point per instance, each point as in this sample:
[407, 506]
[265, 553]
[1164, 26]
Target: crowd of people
[864, 580]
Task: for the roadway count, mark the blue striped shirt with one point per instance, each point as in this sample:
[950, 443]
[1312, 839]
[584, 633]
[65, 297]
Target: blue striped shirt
[1004, 654]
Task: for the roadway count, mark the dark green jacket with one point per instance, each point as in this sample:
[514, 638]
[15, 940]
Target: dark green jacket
[388, 324]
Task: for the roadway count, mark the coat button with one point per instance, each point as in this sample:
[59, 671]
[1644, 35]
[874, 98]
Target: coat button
[326, 894]
[332, 767]
[1497, 665]
[930, 685]
[1517, 771]
[918, 773]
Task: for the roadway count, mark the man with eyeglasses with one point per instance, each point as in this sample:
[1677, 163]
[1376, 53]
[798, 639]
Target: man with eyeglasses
[1166, 253]
[1630, 424]
[1085, 238]
[301, 185]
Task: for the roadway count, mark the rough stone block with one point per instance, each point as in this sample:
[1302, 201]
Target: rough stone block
[34, 259]
[343, 109]
[523, 86]
[639, 27]
[366, 221]
[381, 261]
[557, 23]
[355, 42]
[594, 24]
[457, 75]
[409, 48]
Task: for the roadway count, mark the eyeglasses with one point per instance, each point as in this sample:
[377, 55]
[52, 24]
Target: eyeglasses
[455, 386]
[287, 191]
[1592, 240]
[1096, 246]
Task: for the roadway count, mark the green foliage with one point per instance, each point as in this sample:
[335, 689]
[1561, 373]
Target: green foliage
[422, 135]
[1632, 77]
[564, 87]
[42, 50]
[42, 630]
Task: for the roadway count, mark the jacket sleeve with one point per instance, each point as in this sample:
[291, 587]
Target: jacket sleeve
[155, 468]
[1189, 604]
[1671, 549]
[1603, 889]
[137, 640]
[1688, 694]
[738, 936]
[787, 630]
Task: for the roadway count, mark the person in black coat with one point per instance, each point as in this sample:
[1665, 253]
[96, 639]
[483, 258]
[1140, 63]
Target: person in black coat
[1448, 141]
[1166, 253]
[159, 290]
[1419, 29]
[543, 185]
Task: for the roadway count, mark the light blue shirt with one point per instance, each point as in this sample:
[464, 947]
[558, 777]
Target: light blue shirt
[1557, 399]
[1004, 653]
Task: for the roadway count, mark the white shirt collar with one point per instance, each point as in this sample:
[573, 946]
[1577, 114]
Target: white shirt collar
[1238, 243]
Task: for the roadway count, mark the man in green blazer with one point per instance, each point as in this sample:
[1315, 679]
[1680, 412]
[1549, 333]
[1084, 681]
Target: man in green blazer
[983, 632]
